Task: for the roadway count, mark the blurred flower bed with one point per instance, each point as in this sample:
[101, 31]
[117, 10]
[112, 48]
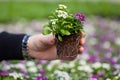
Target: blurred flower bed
[100, 60]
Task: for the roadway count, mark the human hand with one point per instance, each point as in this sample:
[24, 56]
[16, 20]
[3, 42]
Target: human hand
[43, 47]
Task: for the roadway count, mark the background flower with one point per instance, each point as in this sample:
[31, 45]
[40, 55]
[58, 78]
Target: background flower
[102, 40]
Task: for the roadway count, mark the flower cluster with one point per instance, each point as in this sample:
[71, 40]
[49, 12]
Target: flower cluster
[61, 75]
[62, 14]
[57, 70]
[62, 23]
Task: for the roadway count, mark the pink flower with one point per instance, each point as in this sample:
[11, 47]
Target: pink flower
[4, 74]
[42, 78]
[80, 17]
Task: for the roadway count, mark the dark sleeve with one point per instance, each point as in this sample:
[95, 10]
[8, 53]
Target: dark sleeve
[10, 46]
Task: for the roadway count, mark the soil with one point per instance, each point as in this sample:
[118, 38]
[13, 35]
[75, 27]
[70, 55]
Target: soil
[68, 47]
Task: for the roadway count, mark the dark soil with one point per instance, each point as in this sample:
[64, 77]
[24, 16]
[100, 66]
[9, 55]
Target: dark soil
[68, 47]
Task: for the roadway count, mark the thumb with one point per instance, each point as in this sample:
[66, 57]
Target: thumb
[48, 39]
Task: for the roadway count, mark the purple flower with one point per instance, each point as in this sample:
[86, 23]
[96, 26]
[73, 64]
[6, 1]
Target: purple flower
[113, 62]
[4, 74]
[25, 73]
[92, 59]
[80, 17]
[95, 76]
[101, 74]
[93, 79]
[41, 78]
[42, 72]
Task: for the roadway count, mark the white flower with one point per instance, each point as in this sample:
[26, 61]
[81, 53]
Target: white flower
[106, 66]
[63, 65]
[30, 63]
[61, 75]
[117, 77]
[107, 45]
[108, 79]
[16, 75]
[82, 62]
[32, 69]
[71, 64]
[20, 66]
[85, 68]
[117, 40]
[54, 21]
[97, 65]
[62, 14]
[57, 72]
[53, 63]
[61, 6]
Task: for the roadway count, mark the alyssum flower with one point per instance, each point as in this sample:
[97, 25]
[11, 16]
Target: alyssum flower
[54, 21]
[62, 14]
[62, 6]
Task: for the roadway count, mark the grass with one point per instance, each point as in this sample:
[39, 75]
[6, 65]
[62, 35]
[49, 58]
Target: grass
[14, 10]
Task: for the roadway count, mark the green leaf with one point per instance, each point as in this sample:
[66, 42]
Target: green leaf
[82, 30]
[46, 32]
[64, 23]
[76, 32]
[62, 31]
[46, 25]
[69, 26]
[59, 38]
[51, 17]
[65, 32]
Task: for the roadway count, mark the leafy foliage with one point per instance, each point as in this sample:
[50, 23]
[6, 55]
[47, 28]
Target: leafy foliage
[62, 23]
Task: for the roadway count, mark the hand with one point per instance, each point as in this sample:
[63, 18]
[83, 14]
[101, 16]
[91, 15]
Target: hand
[43, 47]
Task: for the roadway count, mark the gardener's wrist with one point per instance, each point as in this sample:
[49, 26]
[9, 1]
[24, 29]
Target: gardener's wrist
[25, 47]
[34, 43]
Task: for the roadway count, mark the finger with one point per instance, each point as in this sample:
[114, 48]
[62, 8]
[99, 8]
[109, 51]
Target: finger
[82, 41]
[52, 41]
[81, 49]
[83, 34]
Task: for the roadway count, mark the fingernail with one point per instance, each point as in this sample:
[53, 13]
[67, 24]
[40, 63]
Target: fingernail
[81, 49]
[53, 41]
[82, 41]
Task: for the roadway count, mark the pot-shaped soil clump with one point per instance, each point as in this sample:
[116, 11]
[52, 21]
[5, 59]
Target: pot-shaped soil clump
[68, 47]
